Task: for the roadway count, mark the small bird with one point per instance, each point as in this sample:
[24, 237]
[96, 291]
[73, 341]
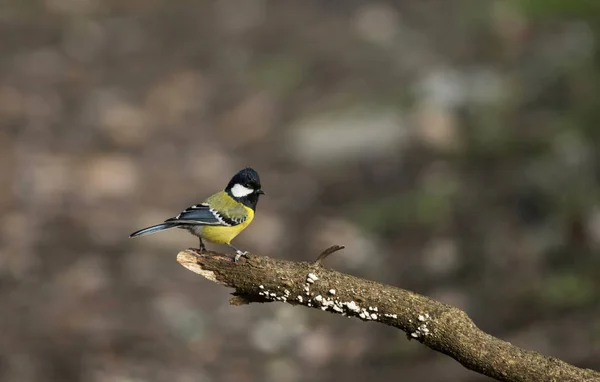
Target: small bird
[222, 216]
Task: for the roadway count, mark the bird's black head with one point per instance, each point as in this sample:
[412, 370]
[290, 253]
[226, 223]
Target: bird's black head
[245, 187]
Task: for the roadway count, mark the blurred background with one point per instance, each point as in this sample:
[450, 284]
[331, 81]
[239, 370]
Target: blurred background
[450, 145]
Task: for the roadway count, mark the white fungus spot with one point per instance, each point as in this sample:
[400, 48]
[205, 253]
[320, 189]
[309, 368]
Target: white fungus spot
[299, 298]
[319, 298]
[373, 316]
[422, 329]
[352, 306]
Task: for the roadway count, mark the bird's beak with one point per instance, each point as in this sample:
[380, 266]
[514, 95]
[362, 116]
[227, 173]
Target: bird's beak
[260, 192]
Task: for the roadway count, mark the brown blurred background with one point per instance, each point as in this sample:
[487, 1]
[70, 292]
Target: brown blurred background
[452, 146]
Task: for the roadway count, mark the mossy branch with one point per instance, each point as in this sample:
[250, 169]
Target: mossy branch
[441, 327]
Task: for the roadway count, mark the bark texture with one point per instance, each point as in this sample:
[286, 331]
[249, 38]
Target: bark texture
[441, 327]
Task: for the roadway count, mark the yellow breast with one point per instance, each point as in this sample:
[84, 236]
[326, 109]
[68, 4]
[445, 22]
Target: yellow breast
[224, 235]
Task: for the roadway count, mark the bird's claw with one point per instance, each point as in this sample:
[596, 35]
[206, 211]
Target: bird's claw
[239, 254]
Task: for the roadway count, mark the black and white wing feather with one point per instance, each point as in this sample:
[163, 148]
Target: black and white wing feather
[203, 214]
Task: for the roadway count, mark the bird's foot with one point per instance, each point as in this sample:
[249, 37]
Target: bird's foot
[239, 254]
[202, 248]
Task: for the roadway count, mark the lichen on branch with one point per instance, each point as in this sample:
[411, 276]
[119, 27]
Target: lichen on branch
[441, 327]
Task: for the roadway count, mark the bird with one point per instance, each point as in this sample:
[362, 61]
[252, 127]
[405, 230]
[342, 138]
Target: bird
[221, 216]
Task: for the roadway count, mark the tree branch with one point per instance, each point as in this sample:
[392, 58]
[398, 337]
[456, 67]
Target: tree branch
[439, 326]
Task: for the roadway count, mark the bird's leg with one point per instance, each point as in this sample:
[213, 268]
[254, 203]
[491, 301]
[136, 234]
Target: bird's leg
[238, 253]
[202, 247]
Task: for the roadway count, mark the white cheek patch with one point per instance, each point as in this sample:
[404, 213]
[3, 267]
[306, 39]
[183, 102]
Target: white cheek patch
[239, 191]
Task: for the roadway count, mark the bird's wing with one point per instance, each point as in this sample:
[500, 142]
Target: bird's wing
[218, 210]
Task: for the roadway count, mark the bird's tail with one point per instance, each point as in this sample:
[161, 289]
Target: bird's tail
[154, 228]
